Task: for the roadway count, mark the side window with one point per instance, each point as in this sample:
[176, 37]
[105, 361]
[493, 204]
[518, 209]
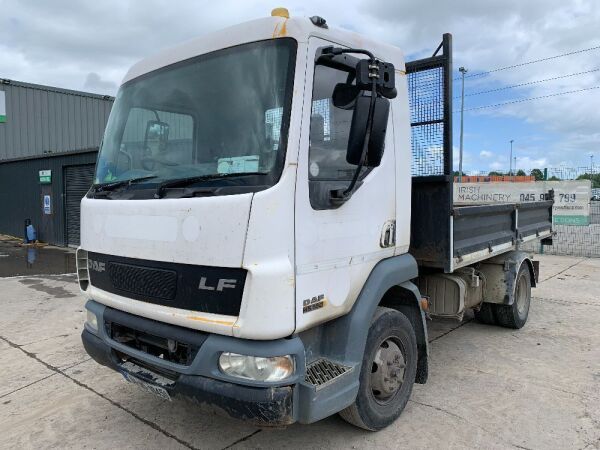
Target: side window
[329, 129]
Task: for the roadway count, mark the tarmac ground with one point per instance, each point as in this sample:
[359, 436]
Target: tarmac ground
[489, 387]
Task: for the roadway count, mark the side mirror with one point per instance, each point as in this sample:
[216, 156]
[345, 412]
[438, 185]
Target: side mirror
[358, 130]
[157, 132]
[344, 95]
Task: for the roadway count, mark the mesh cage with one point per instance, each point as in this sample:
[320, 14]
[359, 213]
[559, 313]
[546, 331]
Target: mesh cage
[426, 99]
[430, 97]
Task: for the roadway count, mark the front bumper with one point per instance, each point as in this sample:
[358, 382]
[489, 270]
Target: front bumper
[198, 377]
[262, 405]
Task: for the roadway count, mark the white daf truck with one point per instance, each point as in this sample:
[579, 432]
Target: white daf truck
[272, 220]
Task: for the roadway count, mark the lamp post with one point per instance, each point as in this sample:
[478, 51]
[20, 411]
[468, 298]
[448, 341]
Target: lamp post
[462, 70]
[510, 159]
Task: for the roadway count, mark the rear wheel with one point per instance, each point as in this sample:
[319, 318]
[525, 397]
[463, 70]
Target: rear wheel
[388, 371]
[515, 315]
[485, 314]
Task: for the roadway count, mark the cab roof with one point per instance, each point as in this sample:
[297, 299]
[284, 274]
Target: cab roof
[298, 28]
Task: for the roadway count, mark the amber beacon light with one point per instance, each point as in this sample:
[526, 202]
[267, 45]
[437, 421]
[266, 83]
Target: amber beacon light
[280, 12]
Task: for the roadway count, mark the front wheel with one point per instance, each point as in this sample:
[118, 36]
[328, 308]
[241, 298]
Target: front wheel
[388, 371]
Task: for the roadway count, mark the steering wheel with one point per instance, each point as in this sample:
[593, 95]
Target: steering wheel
[149, 161]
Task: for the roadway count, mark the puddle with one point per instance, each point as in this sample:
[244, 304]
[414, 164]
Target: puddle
[40, 285]
[16, 260]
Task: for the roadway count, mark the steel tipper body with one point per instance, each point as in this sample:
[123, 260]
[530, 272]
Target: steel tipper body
[246, 241]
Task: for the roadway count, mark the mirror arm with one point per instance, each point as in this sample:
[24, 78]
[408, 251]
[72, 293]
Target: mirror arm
[334, 51]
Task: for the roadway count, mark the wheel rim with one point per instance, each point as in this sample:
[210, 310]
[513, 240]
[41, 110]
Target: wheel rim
[387, 371]
[521, 295]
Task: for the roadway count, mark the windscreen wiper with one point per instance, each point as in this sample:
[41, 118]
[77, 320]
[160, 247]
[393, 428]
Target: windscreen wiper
[116, 184]
[183, 182]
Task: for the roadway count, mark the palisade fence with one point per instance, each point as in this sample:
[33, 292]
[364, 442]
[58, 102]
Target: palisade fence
[573, 240]
[559, 173]
[570, 240]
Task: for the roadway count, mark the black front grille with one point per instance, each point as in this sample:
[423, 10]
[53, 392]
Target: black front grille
[157, 283]
[216, 290]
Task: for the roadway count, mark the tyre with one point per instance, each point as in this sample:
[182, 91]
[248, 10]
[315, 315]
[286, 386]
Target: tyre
[485, 314]
[515, 315]
[387, 374]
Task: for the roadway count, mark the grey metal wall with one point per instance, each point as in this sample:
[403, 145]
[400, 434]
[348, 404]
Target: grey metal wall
[21, 194]
[42, 119]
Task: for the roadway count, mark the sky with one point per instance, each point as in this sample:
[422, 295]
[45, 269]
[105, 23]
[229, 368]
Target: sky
[89, 45]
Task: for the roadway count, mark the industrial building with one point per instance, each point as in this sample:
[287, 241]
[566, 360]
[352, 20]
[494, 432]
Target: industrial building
[49, 140]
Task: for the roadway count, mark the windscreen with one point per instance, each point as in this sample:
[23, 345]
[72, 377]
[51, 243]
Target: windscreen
[219, 114]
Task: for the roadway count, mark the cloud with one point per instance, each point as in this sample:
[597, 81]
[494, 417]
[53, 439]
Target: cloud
[526, 163]
[90, 45]
[94, 83]
[60, 42]
[496, 165]
[467, 158]
[485, 154]
[489, 35]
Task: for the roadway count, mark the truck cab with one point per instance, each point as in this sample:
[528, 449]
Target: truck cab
[247, 241]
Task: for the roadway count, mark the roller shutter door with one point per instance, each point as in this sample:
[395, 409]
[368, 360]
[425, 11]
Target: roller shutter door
[78, 180]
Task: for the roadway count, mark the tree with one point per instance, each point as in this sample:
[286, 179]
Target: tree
[521, 173]
[538, 174]
[494, 173]
[553, 178]
[595, 177]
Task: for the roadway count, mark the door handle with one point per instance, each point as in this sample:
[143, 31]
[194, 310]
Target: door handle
[388, 235]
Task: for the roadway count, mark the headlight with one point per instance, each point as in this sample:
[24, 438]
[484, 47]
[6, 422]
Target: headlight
[92, 320]
[258, 368]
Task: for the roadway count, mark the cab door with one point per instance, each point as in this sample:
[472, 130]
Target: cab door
[336, 245]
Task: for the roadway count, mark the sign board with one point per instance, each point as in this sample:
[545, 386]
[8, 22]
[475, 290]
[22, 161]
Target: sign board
[45, 176]
[571, 198]
[2, 106]
[47, 204]
[238, 164]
